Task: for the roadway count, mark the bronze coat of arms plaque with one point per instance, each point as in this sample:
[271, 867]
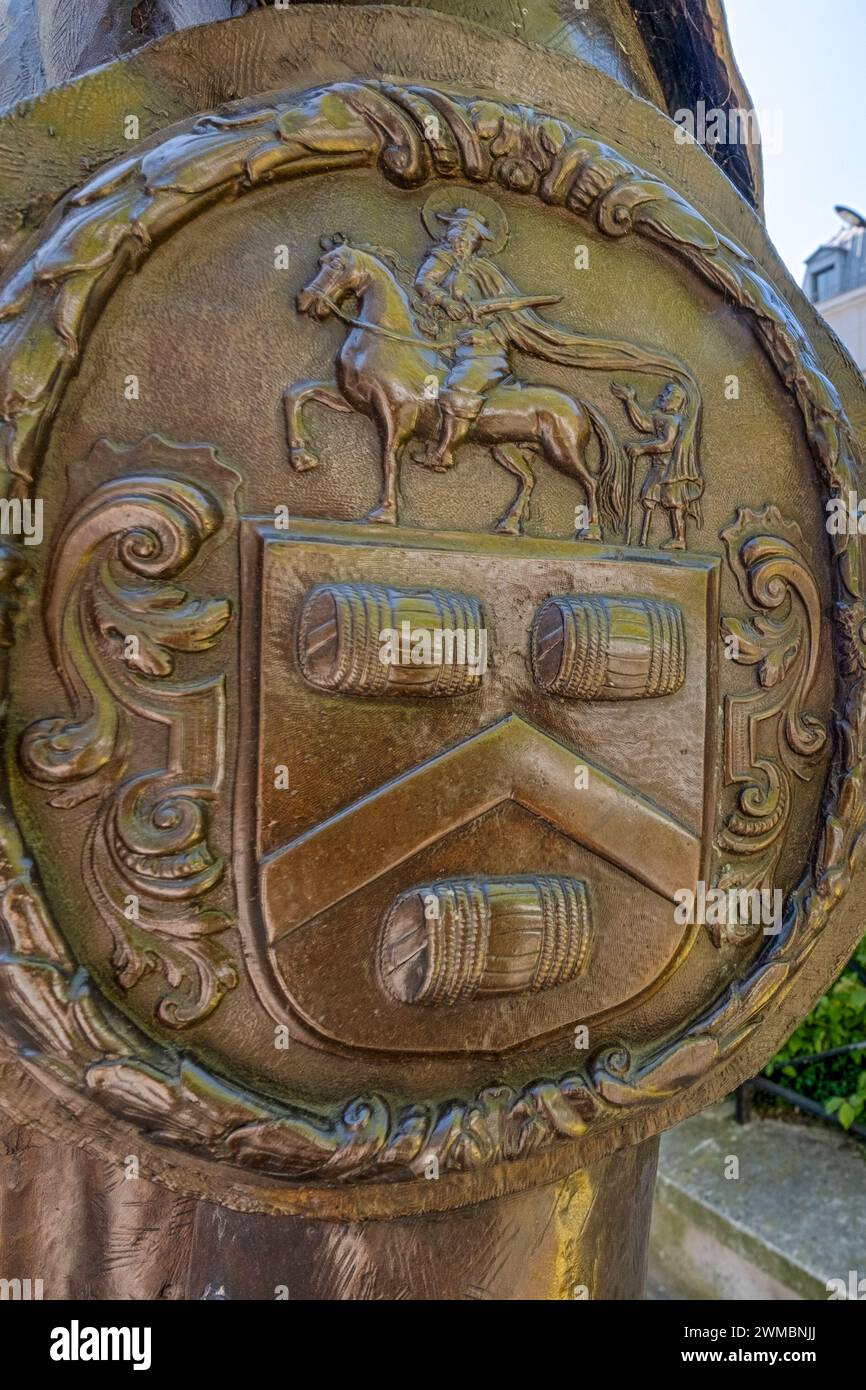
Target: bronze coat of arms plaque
[513, 752]
[434, 717]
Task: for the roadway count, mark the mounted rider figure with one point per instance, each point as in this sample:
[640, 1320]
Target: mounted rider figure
[469, 363]
[460, 282]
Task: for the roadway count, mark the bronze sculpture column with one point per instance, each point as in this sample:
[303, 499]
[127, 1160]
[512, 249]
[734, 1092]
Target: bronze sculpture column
[433, 691]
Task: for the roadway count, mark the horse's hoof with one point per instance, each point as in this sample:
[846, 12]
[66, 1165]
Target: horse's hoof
[302, 461]
[386, 516]
[592, 532]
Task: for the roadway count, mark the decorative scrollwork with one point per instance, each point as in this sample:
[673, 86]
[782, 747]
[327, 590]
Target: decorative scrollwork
[782, 641]
[115, 624]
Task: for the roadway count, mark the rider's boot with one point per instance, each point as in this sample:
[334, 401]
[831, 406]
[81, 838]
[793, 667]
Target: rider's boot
[440, 456]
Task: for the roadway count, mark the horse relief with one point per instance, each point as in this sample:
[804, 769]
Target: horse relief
[429, 360]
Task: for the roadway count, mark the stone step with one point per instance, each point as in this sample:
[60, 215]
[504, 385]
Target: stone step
[793, 1219]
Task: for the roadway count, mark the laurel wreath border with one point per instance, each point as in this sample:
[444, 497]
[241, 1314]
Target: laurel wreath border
[61, 1028]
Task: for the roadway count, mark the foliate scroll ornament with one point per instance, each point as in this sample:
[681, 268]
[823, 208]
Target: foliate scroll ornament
[117, 625]
[781, 642]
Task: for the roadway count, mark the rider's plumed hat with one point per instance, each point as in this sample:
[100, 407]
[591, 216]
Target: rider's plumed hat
[467, 218]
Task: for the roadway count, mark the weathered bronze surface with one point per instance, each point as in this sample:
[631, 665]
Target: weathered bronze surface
[435, 595]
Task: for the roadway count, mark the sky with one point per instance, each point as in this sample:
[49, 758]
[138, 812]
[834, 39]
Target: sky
[804, 64]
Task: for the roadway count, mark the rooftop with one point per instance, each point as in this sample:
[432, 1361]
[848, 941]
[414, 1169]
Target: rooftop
[839, 265]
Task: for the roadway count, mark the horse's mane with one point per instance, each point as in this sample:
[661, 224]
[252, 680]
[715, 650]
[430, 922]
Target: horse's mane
[425, 317]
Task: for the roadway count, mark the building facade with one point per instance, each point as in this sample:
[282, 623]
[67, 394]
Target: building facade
[836, 282]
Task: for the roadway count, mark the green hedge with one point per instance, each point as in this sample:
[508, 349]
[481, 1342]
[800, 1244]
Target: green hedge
[839, 1083]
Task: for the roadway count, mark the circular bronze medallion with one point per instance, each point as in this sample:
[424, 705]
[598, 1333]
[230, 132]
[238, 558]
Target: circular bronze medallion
[434, 714]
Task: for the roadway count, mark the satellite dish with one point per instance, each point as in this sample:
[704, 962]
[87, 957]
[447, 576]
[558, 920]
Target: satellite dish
[854, 219]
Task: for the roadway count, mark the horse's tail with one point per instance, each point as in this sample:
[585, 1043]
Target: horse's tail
[612, 470]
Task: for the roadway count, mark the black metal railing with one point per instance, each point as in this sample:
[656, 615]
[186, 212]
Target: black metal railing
[743, 1094]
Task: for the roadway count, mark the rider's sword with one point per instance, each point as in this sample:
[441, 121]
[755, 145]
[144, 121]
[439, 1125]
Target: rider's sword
[526, 301]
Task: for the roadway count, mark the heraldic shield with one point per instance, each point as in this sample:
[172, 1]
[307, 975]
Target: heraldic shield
[500, 755]
[429, 654]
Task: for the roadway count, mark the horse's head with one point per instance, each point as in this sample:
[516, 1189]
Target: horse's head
[341, 271]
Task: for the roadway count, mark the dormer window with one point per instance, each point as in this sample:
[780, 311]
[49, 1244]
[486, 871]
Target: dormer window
[823, 283]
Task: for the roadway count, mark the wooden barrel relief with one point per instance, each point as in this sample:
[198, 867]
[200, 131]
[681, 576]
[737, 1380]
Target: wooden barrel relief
[592, 647]
[342, 647]
[459, 938]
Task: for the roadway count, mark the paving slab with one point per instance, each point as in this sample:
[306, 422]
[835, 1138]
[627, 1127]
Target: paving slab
[768, 1210]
